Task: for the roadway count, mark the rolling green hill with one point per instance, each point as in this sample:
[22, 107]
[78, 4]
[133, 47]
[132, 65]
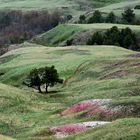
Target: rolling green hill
[60, 34]
[91, 72]
[74, 6]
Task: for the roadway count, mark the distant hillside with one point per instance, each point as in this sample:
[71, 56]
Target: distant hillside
[74, 7]
[59, 35]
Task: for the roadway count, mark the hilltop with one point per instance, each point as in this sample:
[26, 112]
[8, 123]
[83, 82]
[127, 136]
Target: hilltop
[73, 6]
[60, 34]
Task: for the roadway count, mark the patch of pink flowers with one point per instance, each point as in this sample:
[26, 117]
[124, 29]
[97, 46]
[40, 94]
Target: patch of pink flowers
[79, 107]
[69, 129]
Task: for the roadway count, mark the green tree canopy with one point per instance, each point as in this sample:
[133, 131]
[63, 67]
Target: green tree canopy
[96, 18]
[129, 16]
[111, 18]
[47, 76]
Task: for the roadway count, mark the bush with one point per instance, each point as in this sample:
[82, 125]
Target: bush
[97, 39]
[125, 38]
[111, 18]
[96, 18]
[69, 17]
[128, 16]
[82, 19]
[69, 42]
[137, 7]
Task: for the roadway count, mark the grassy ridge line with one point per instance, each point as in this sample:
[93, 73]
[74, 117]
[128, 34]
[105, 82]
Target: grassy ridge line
[60, 34]
[117, 8]
[104, 26]
[41, 4]
[121, 5]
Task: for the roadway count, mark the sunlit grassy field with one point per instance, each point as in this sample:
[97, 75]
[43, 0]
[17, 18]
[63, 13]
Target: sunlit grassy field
[91, 72]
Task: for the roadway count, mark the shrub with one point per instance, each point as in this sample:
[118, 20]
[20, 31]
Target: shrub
[82, 19]
[96, 18]
[69, 42]
[125, 38]
[137, 7]
[111, 18]
[128, 16]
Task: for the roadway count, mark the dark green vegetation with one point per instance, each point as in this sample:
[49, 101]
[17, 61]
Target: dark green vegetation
[124, 38]
[128, 17]
[71, 34]
[47, 76]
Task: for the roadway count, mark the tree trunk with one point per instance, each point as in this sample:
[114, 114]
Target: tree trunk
[46, 88]
[39, 89]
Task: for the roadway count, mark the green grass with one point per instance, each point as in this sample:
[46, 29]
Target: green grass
[26, 59]
[60, 34]
[57, 35]
[72, 6]
[92, 72]
[120, 6]
[117, 8]
[5, 138]
[124, 129]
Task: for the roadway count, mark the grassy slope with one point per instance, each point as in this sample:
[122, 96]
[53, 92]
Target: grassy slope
[73, 6]
[119, 7]
[61, 33]
[125, 129]
[5, 138]
[95, 77]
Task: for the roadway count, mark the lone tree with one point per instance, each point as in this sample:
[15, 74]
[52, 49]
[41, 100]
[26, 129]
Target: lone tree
[129, 16]
[47, 76]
